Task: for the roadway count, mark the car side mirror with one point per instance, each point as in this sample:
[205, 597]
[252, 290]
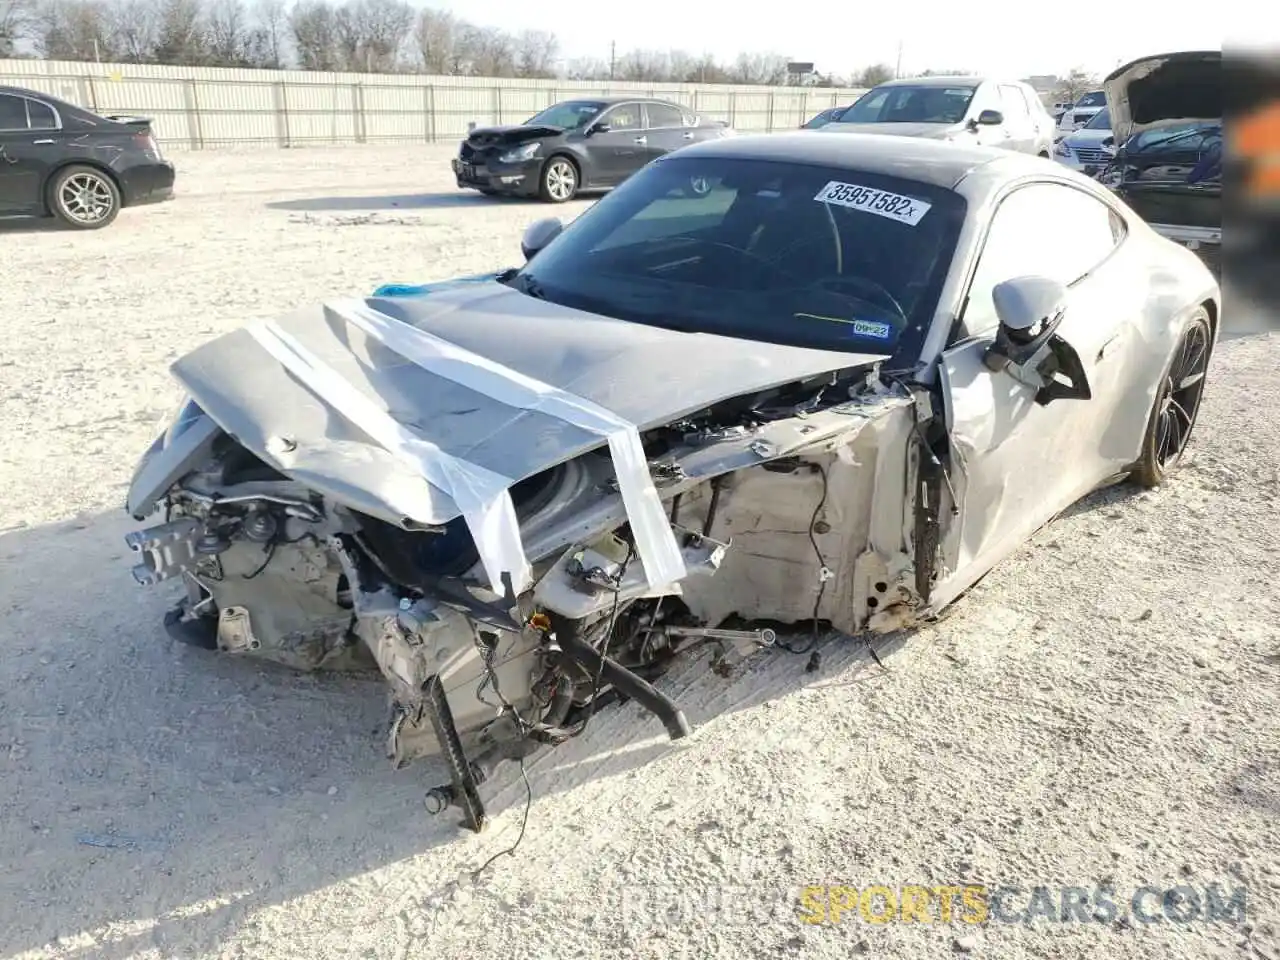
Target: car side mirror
[990, 118]
[538, 234]
[599, 128]
[1027, 346]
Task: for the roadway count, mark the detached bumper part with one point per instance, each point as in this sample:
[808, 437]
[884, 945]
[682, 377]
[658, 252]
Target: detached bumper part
[465, 792]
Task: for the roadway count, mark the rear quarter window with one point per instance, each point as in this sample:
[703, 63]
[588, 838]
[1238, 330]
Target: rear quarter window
[42, 116]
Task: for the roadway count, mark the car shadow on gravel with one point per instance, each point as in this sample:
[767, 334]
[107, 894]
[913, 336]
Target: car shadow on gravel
[154, 792]
[419, 201]
[31, 225]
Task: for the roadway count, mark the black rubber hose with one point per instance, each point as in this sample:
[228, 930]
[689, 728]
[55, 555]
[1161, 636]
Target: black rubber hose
[627, 683]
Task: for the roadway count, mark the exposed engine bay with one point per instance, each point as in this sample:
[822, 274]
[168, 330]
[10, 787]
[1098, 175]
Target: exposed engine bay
[773, 499]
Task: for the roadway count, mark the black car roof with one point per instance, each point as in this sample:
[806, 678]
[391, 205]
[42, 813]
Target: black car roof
[610, 101]
[64, 106]
[23, 92]
[927, 161]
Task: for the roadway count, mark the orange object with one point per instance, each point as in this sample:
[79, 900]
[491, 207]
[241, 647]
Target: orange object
[1256, 138]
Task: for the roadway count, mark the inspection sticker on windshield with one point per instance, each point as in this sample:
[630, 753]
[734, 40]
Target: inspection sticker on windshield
[882, 203]
[872, 328]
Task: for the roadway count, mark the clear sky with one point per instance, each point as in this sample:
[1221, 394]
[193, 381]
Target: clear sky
[839, 36]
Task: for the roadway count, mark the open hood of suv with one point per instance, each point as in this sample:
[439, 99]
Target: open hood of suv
[1170, 88]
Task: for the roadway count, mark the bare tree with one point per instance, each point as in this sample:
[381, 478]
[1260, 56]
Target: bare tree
[315, 34]
[14, 21]
[181, 33]
[228, 33]
[73, 30]
[535, 53]
[643, 65]
[586, 68]
[267, 40]
[874, 75]
[134, 24]
[435, 35]
[1075, 85]
[758, 68]
[379, 36]
[489, 52]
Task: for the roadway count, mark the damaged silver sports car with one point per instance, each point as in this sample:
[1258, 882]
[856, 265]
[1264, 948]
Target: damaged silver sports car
[826, 391]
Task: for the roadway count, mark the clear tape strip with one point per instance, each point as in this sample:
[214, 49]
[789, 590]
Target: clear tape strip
[482, 496]
[654, 538]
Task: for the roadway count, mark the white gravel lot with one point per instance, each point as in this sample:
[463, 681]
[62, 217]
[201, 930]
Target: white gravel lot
[1100, 709]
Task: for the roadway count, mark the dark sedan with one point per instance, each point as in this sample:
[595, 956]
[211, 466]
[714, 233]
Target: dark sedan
[59, 160]
[577, 145]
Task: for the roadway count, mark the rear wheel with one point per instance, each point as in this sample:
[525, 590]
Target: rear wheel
[84, 198]
[559, 180]
[1177, 403]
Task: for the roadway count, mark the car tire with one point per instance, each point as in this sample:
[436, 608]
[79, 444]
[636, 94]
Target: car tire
[83, 198]
[1177, 403]
[559, 180]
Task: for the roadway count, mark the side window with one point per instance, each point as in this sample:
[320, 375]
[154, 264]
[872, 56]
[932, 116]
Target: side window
[1045, 229]
[42, 116]
[664, 115]
[13, 112]
[625, 116]
[1012, 105]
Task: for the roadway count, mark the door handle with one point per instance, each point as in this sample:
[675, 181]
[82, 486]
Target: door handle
[641, 140]
[687, 136]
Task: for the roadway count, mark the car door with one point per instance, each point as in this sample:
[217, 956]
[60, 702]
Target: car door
[618, 151]
[20, 166]
[665, 129]
[1014, 462]
[1020, 134]
[987, 97]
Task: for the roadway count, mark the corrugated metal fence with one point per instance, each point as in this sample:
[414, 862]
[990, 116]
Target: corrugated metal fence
[207, 107]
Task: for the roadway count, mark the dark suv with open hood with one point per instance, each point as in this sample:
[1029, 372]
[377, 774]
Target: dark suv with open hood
[1166, 116]
[588, 144]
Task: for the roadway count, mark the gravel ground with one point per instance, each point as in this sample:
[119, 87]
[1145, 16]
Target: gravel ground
[1099, 710]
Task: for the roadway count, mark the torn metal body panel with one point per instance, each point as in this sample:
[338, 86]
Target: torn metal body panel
[517, 498]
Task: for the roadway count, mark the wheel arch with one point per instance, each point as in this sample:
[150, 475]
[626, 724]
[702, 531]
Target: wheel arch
[567, 154]
[80, 162]
[1211, 308]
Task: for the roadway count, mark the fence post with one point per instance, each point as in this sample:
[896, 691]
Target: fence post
[733, 108]
[496, 101]
[281, 97]
[359, 118]
[770, 127]
[431, 111]
[194, 134]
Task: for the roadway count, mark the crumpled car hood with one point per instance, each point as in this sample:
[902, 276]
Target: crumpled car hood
[925, 130]
[1165, 89]
[646, 375]
[512, 133]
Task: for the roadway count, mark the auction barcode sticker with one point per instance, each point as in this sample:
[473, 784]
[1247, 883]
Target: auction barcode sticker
[882, 203]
